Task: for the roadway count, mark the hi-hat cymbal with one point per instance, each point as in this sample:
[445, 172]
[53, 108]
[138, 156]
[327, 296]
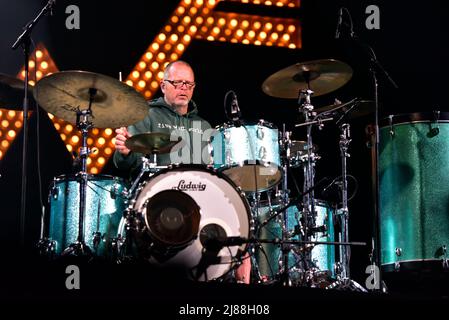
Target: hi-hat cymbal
[352, 109]
[12, 92]
[115, 104]
[300, 147]
[321, 76]
[362, 108]
[153, 143]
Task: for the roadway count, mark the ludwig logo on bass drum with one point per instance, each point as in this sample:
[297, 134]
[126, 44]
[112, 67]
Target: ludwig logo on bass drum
[183, 186]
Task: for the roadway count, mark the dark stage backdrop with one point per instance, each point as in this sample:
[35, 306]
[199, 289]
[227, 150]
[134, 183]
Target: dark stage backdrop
[411, 44]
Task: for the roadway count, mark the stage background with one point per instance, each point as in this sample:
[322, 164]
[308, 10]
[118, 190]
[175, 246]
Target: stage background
[411, 44]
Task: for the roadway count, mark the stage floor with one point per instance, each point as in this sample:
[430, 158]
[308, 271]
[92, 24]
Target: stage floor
[115, 287]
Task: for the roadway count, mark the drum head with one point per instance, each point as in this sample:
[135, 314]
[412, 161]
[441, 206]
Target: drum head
[249, 155]
[224, 213]
[258, 176]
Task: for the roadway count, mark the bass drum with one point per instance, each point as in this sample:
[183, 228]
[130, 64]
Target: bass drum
[414, 191]
[182, 217]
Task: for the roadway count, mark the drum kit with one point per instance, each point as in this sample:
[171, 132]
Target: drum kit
[208, 218]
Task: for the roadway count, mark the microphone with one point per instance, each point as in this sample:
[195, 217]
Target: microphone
[235, 110]
[51, 3]
[217, 243]
[339, 23]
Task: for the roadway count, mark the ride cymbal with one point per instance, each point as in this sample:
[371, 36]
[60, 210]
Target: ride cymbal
[321, 76]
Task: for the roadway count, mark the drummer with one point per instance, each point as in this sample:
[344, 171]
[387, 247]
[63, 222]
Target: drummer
[176, 114]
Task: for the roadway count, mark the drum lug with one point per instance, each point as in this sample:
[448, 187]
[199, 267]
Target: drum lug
[55, 192]
[114, 191]
[397, 266]
[46, 247]
[228, 156]
[227, 136]
[337, 268]
[390, 123]
[98, 237]
[445, 260]
[211, 154]
[262, 153]
[260, 133]
[132, 223]
[116, 247]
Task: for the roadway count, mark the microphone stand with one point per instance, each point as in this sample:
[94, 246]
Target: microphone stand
[375, 67]
[24, 40]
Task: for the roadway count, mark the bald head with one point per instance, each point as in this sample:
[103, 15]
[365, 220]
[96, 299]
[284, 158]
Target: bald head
[174, 64]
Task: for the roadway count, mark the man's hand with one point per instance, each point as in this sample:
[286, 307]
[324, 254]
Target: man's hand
[120, 138]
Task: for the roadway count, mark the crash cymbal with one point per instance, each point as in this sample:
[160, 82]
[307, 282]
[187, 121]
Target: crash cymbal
[12, 93]
[153, 143]
[115, 104]
[321, 76]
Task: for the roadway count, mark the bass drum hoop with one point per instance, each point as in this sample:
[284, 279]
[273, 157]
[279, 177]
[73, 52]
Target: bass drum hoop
[141, 198]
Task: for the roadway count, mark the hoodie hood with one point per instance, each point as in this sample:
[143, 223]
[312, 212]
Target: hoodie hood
[160, 102]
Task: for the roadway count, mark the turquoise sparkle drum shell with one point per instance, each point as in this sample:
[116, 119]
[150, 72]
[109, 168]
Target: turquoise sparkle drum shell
[414, 191]
[323, 256]
[104, 209]
[248, 154]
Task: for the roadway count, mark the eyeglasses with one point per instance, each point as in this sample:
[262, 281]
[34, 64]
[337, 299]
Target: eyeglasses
[179, 83]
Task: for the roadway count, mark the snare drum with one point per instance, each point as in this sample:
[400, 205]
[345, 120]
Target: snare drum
[179, 213]
[248, 154]
[104, 208]
[414, 191]
[269, 256]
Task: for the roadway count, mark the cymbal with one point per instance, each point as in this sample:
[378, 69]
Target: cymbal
[354, 109]
[153, 143]
[363, 108]
[300, 147]
[115, 104]
[12, 92]
[321, 76]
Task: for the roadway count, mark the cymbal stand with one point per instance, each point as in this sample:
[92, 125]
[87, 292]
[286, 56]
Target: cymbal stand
[80, 248]
[343, 268]
[147, 166]
[254, 201]
[285, 144]
[124, 246]
[308, 199]
[344, 212]
[308, 208]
